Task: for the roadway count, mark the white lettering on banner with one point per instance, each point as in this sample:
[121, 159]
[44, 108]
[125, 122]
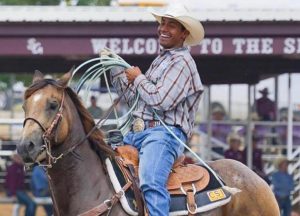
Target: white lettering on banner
[214, 46]
[291, 46]
[138, 46]
[253, 45]
[267, 46]
[123, 46]
[35, 47]
[114, 45]
[151, 46]
[126, 49]
[208, 46]
[238, 43]
[98, 44]
[217, 46]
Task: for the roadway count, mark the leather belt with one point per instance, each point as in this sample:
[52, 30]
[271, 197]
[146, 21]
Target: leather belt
[139, 124]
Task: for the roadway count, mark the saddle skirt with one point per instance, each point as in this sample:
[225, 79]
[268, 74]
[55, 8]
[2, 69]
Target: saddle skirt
[193, 188]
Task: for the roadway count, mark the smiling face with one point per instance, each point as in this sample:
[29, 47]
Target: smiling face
[171, 33]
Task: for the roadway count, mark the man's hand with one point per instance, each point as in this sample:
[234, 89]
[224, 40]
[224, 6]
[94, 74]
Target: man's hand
[132, 73]
[105, 52]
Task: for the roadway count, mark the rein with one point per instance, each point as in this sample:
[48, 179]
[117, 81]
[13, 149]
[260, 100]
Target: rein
[47, 137]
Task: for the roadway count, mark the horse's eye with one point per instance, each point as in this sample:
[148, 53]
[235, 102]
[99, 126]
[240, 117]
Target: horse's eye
[53, 105]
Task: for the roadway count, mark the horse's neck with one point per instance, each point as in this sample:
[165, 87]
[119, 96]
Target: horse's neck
[79, 184]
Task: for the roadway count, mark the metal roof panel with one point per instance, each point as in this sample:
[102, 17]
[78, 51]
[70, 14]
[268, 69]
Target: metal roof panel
[135, 14]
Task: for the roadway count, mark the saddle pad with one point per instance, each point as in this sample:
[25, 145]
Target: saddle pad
[212, 196]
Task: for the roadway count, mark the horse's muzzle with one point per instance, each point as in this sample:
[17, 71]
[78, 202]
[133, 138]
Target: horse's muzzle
[28, 150]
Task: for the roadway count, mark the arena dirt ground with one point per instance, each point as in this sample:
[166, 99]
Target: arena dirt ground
[6, 210]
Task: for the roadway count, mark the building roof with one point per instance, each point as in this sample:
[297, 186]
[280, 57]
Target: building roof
[139, 14]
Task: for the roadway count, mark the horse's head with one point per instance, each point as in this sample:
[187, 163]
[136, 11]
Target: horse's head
[44, 107]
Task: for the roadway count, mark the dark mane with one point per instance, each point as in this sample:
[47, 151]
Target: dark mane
[85, 116]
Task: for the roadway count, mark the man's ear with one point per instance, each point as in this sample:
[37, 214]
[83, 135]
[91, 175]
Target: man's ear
[38, 76]
[64, 80]
[185, 34]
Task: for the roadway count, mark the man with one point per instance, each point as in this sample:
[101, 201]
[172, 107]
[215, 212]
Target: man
[265, 107]
[15, 184]
[172, 87]
[40, 188]
[283, 185]
[94, 110]
[257, 161]
[234, 152]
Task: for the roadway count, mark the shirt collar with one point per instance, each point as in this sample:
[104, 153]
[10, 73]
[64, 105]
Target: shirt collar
[172, 50]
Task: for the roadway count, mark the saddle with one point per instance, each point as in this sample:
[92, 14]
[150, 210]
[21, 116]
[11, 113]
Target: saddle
[184, 180]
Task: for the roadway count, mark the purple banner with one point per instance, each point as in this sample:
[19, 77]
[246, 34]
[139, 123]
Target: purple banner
[147, 46]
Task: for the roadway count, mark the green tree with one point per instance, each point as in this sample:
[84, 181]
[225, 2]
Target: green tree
[29, 2]
[94, 2]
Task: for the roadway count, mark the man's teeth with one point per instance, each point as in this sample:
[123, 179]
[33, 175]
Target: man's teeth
[165, 36]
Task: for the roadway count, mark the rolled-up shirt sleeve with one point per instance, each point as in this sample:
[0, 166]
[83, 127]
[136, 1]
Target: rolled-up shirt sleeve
[171, 89]
[120, 83]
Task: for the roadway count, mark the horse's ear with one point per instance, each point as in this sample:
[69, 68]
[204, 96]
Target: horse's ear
[64, 80]
[38, 76]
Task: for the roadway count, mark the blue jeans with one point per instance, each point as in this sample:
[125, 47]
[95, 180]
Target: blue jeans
[285, 205]
[158, 150]
[25, 199]
[48, 209]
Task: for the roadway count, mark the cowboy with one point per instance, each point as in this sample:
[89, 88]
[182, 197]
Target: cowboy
[94, 110]
[234, 152]
[172, 87]
[265, 107]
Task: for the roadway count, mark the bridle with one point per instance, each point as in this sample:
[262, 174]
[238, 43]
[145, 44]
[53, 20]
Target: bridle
[48, 133]
[48, 136]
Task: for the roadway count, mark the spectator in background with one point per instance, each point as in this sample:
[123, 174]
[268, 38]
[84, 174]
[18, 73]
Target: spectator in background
[40, 187]
[265, 107]
[283, 183]
[94, 110]
[15, 184]
[257, 162]
[234, 152]
[220, 130]
[218, 113]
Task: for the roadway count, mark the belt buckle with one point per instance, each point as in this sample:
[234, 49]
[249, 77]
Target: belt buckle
[138, 125]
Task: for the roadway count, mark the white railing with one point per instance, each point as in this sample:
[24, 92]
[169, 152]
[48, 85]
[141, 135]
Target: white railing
[271, 152]
[295, 169]
[268, 158]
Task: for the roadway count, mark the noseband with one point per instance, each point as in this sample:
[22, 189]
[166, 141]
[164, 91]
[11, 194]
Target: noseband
[48, 136]
[49, 132]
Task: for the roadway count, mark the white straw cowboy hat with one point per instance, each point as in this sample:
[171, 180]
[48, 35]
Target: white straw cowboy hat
[280, 160]
[182, 15]
[234, 136]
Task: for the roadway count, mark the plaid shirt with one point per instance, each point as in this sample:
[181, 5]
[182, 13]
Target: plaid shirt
[171, 86]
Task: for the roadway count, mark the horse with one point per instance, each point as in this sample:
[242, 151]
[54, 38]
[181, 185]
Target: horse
[59, 132]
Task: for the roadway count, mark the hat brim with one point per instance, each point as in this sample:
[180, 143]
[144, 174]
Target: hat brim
[264, 92]
[279, 161]
[194, 27]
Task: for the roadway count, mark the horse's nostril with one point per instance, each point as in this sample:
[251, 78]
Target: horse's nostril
[30, 146]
